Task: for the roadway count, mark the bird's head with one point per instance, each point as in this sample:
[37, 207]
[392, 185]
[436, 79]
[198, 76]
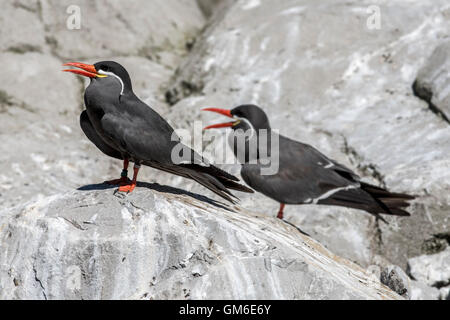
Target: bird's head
[101, 71]
[245, 117]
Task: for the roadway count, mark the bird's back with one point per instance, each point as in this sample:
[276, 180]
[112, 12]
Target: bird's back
[303, 174]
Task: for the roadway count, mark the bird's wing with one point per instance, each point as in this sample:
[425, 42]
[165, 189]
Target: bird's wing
[216, 184]
[93, 136]
[304, 175]
[138, 138]
[322, 160]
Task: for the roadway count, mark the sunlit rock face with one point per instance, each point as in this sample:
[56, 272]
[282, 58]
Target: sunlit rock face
[165, 244]
[373, 96]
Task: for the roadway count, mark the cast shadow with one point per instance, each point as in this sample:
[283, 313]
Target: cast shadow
[160, 188]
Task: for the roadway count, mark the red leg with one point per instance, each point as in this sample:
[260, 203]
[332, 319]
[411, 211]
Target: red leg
[280, 213]
[123, 176]
[129, 187]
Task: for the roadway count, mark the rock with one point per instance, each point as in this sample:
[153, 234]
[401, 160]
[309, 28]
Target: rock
[28, 80]
[109, 29]
[164, 243]
[396, 279]
[420, 291]
[434, 270]
[22, 30]
[320, 73]
[433, 81]
[445, 293]
[208, 7]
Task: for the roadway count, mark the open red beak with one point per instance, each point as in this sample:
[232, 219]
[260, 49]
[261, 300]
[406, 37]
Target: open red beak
[220, 125]
[88, 70]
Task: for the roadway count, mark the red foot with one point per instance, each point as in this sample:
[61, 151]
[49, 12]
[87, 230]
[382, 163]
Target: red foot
[121, 181]
[128, 188]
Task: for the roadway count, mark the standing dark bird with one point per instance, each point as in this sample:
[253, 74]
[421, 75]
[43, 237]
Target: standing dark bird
[304, 176]
[125, 128]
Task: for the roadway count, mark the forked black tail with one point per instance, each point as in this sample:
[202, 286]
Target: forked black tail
[372, 199]
[392, 203]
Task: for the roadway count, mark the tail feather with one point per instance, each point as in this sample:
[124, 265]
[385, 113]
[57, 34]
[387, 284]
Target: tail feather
[211, 170]
[228, 180]
[235, 186]
[213, 184]
[392, 203]
[219, 183]
[380, 192]
[372, 199]
[399, 212]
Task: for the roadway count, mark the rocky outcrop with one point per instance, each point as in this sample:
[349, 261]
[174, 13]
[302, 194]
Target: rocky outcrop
[160, 243]
[322, 75]
[434, 271]
[433, 81]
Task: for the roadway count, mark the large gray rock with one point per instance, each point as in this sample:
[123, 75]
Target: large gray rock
[165, 244]
[421, 291]
[323, 77]
[396, 279]
[433, 270]
[108, 28]
[21, 28]
[433, 81]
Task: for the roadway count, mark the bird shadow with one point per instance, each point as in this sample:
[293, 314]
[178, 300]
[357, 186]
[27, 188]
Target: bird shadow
[298, 229]
[160, 188]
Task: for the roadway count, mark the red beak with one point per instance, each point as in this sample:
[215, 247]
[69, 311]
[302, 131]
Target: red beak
[88, 70]
[220, 125]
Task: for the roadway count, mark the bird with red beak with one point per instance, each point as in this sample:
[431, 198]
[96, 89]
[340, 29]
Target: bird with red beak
[125, 128]
[304, 176]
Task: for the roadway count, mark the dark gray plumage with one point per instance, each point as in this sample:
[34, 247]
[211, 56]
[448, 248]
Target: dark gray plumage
[124, 127]
[305, 175]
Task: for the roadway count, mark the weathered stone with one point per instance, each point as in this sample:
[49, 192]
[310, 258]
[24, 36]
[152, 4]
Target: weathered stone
[433, 270]
[21, 29]
[420, 291]
[433, 81]
[121, 28]
[445, 293]
[396, 279]
[320, 73]
[165, 244]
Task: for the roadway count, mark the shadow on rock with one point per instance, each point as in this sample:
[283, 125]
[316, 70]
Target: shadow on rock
[159, 188]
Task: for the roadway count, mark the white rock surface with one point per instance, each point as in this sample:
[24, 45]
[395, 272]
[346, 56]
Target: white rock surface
[165, 244]
[433, 270]
[322, 76]
[433, 81]
[121, 28]
[421, 291]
